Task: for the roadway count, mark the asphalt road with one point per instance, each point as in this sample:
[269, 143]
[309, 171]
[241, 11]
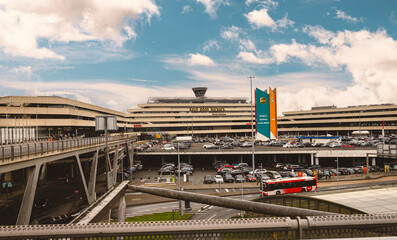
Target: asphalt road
[203, 212]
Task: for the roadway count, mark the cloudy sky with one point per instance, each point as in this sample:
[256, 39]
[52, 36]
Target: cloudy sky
[116, 54]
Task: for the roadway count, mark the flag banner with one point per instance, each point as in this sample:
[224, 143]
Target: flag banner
[262, 112]
[273, 113]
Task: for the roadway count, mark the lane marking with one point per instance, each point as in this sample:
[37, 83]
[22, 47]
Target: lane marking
[217, 190]
[227, 190]
[211, 206]
[212, 217]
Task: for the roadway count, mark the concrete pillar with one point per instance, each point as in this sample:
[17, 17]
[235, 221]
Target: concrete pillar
[373, 161]
[241, 158]
[317, 160]
[189, 159]
[299, 158]
[162, 160]
[311, 159]
[43, 174]
[215, 158]
[274, 158]
[25, 210]
[71, 171]
[121, 213]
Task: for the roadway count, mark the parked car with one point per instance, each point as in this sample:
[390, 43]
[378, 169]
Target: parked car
[236, 172]
[239, 178]
[246, 144]
[210, 146]
[225, 170]
[208, 179]
[168, 147]
[228, 178]
[250, 178]
[218, 179]
[273, 175]
[259, 172]
[227, 146]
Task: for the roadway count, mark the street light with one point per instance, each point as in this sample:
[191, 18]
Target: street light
[178, 139]
[252, 128]
[337, 171]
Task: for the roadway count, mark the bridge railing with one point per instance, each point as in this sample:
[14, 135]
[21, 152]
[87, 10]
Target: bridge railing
[335, 226]
[27, 150]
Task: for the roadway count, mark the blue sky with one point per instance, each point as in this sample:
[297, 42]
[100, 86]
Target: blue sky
[116, 54]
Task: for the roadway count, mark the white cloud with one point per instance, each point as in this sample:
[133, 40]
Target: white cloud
[260, 18]
[369, 57]
[23, 22]
[211, 6]
[264, 3]
[252, 58]
[231, 33]
[247, 44]
[200, 60]
[342, 15]
[186, 9]
[211, 44]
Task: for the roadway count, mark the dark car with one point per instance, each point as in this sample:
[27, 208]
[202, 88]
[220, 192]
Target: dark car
[228, 178]
[167, 170]
[236, 172]
[239, 178]
[225, 170]
[208, 179]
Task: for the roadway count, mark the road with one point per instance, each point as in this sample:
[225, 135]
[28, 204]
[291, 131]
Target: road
[202, 211]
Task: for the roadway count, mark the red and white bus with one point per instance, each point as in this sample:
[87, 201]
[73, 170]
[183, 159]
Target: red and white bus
[288, 185]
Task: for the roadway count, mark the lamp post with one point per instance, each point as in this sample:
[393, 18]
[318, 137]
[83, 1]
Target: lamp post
[178, 139]
[252, 128]
[337, 170]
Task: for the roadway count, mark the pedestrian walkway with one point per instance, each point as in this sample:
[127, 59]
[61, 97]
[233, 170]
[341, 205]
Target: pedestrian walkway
[372, 201]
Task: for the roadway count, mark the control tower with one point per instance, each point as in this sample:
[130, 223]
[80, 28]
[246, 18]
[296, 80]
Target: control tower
[199, 91]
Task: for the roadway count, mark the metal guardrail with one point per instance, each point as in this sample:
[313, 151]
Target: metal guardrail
[27, 150]
[336, 226]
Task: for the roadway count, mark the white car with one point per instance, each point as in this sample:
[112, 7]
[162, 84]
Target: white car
[218, 179]
[168, 147]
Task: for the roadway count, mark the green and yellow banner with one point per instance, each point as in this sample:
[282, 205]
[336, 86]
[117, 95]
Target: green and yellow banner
[266, 114]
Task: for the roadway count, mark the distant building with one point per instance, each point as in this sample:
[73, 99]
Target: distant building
[199, 116]
[321, 121]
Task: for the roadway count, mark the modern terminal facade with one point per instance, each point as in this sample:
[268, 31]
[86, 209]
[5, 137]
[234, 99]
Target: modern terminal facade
[199, 116]
[29, 118]
[321, 121]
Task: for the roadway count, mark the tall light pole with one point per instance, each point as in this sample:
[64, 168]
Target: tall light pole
[252, 127]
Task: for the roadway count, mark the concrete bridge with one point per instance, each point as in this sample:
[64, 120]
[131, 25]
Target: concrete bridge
[33, 158]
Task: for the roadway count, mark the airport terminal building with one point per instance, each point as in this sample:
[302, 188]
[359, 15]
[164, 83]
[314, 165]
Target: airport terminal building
[26, 118]
[321, 121]
[199, 116]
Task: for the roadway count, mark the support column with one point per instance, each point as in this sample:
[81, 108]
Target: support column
[189, 159]
[311, 159]
[91, 196]
[82, 178]
[162, 160]
[215, 159]
[115, 164]
[121, 213]
[373, 161]
[299, 158]
[317, 160]
[43, 174]
[274, 158]
[241, 158]
[28, 197]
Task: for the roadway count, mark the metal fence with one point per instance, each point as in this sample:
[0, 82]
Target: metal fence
[27, 150]
[335, 226]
